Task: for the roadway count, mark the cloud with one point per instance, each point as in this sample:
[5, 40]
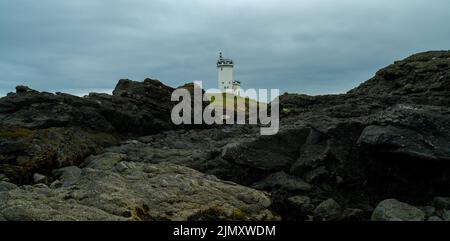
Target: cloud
[312, 47]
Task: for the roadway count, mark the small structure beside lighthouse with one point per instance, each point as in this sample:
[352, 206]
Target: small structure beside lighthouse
[226, 81]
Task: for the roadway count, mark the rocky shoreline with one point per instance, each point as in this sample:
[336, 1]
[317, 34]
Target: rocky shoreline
[380, 152]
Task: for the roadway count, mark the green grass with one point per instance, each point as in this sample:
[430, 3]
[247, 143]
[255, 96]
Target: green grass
[230, 100]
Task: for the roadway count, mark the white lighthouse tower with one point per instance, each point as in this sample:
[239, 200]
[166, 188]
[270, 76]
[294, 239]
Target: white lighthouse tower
[225, 70]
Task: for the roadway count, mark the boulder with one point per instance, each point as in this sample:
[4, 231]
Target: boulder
[434, 219]
[281, 180]
[353, 214]
[267, 153]
[394, 210]
[428, 210]
[21, 89]
[446, 216]
[301, 203]
[442, 203]
[328, 210]
[316, 175]
[39, 178]
[69, 174]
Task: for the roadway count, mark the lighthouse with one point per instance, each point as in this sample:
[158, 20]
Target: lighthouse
[225, 80]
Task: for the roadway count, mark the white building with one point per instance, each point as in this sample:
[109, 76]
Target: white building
[226, 81]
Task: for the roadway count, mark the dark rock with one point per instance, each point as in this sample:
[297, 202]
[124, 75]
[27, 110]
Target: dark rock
[281, 180]
[428, 210]
[40, 131]
[406, 152]
[301, 203]
[442, 203]
[30, 151]
[20, 89]
[314, 152]
[406, 76]
[268, 153]
[316, 174]
[135, 108]
[446, 216]
[328, 210]
[328, 141]
[353, 214]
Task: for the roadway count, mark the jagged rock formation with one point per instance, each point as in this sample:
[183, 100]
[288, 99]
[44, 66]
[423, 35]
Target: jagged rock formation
[135, 108]
[41, 131]
[418, 74]
[336, 157]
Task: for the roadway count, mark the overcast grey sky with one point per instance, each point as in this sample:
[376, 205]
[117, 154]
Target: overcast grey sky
[312, 47]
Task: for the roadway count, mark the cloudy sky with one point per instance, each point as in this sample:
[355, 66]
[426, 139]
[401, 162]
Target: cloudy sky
[312, 47]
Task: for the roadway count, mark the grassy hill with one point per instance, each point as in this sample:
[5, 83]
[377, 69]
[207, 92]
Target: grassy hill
[230, 100]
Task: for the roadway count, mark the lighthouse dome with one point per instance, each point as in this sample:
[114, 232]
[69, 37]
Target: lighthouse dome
[224, 62]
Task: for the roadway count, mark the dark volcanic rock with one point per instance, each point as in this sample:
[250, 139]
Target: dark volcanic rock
[328, 210]
[25, 152]
[406, 151]
[136, 108]
[420, 73]
[442, 202]
[268, 153]
[41, 131]
[283, 181]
